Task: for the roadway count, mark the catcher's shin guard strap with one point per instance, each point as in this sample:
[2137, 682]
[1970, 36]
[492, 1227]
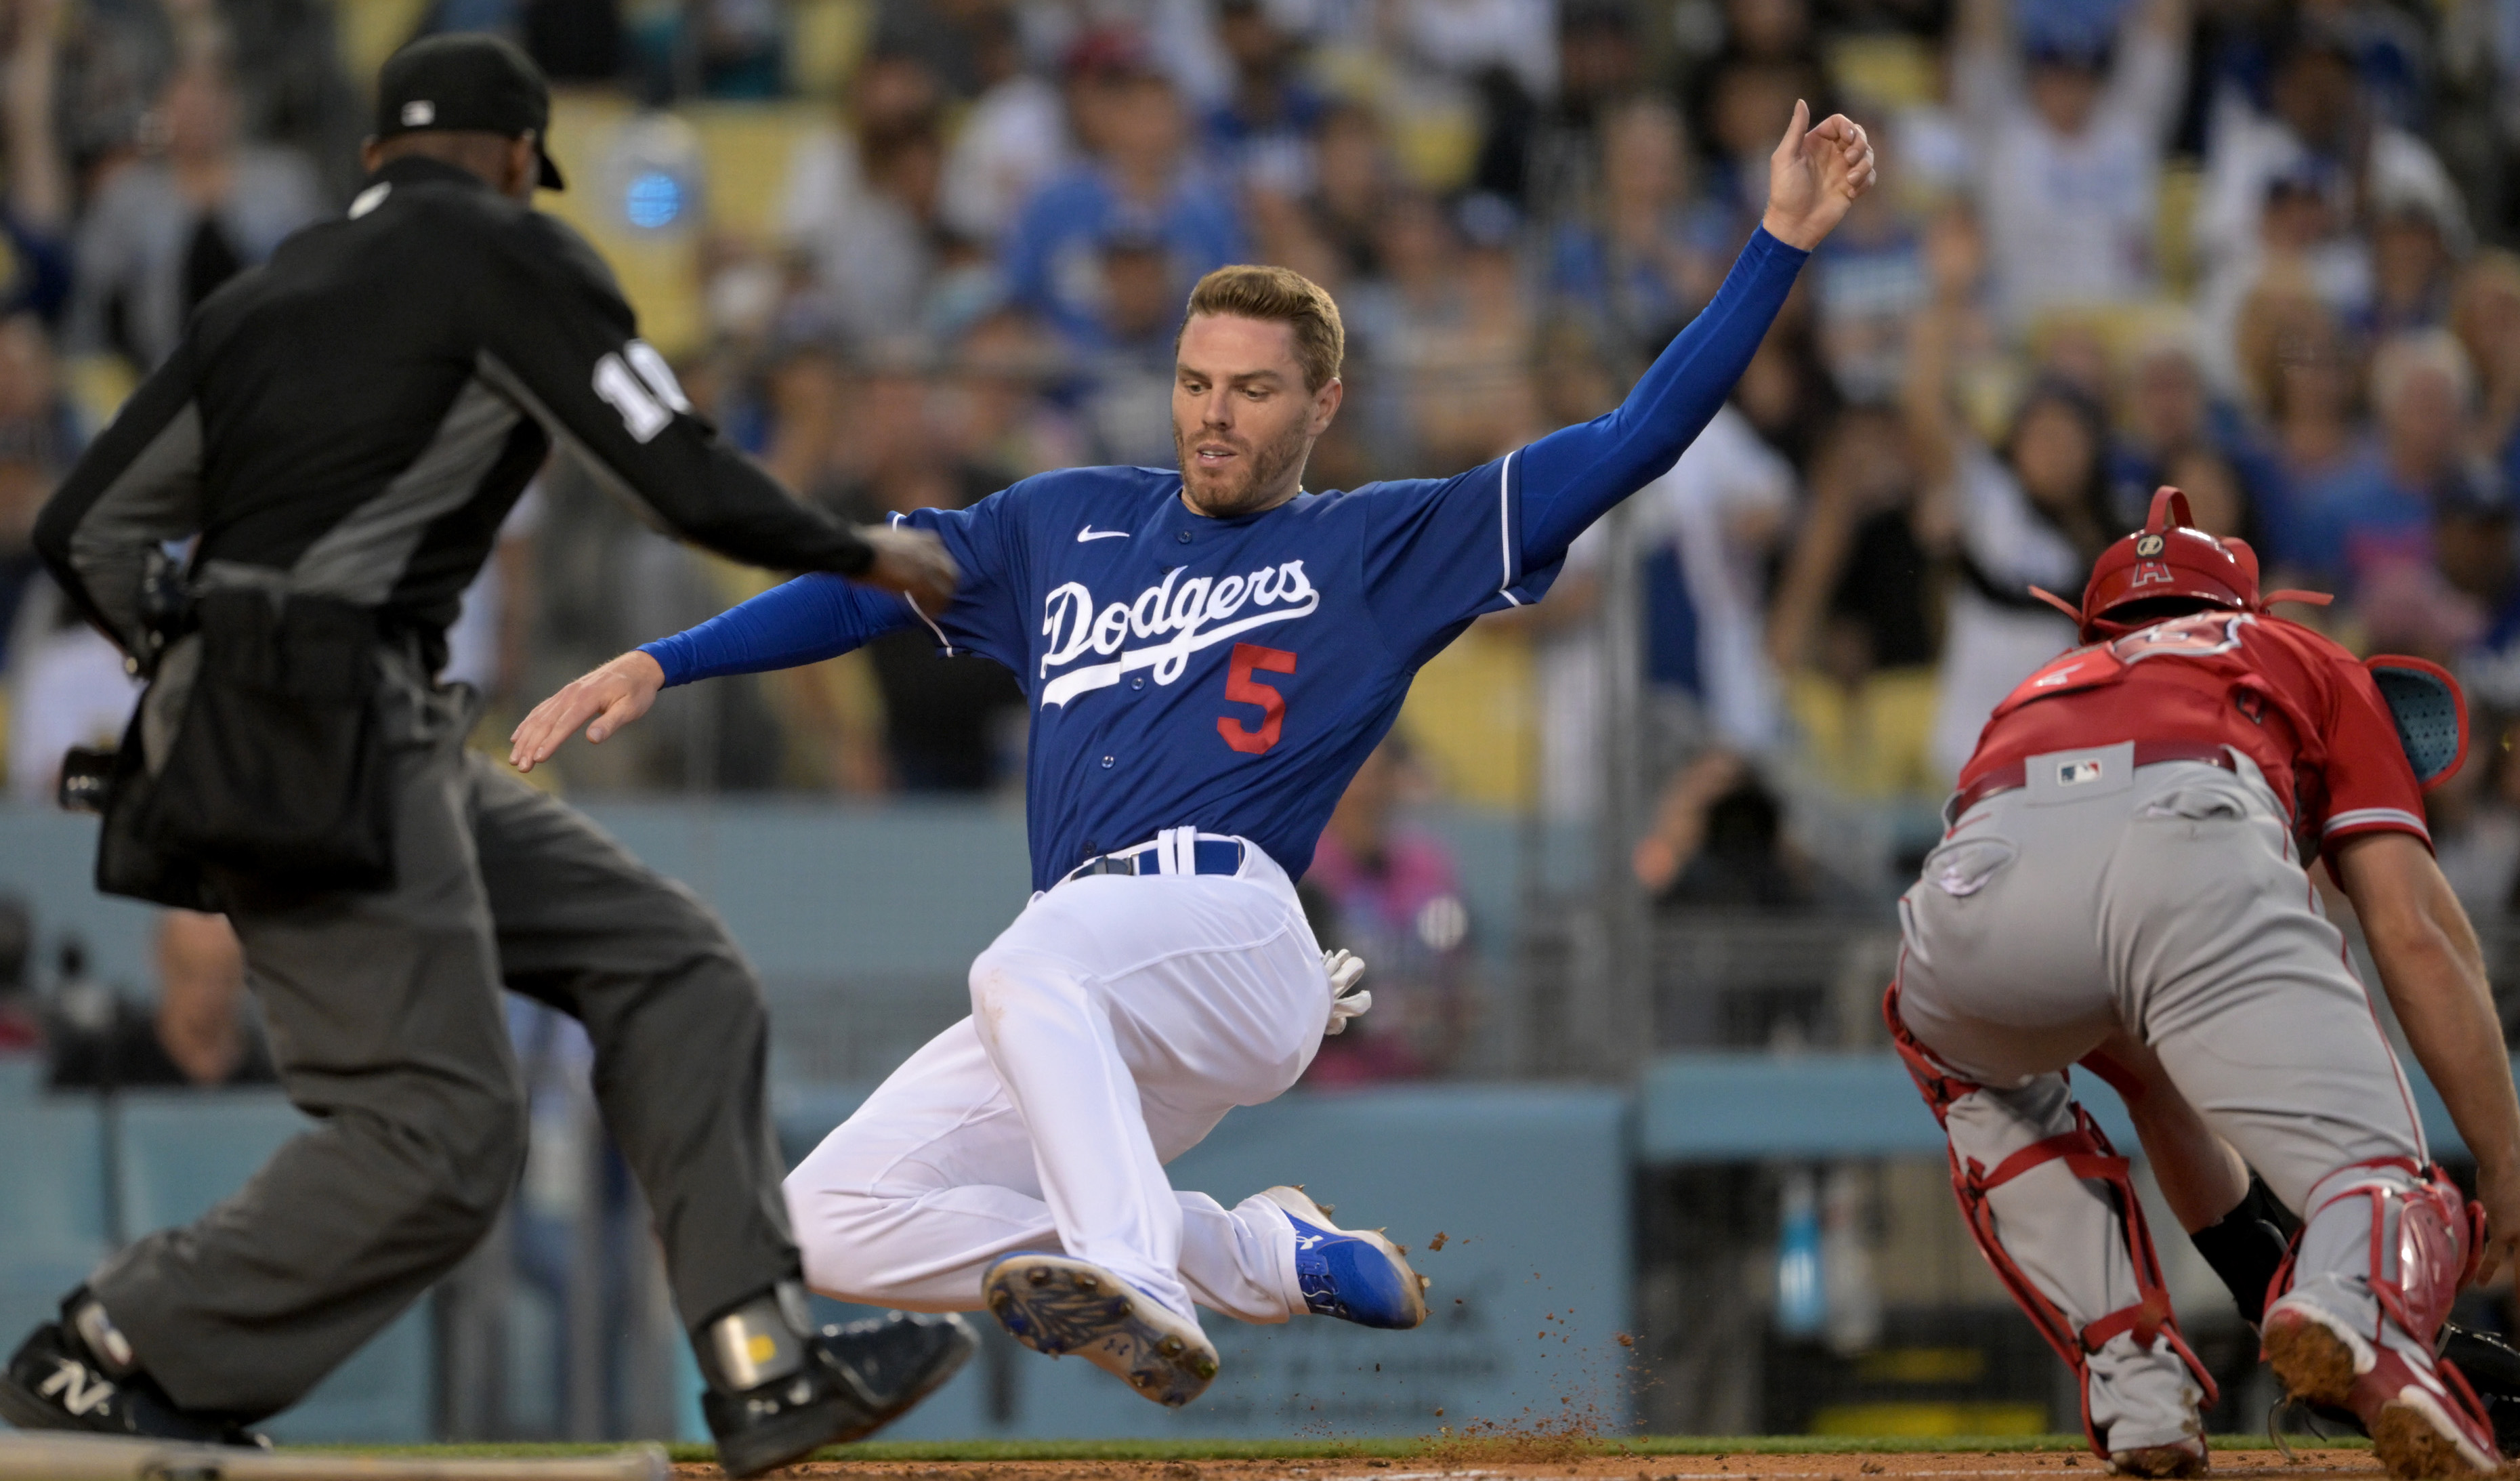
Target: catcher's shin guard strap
[2087, 1153]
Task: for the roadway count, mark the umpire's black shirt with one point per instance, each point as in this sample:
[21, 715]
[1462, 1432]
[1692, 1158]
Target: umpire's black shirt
[353, 419]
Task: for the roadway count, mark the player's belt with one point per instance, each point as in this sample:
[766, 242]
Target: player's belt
[2015, 775]
[1174, 851]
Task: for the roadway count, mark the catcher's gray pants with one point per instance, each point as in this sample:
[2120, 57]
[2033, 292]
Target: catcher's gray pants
[2168, 901]
[387, 1023]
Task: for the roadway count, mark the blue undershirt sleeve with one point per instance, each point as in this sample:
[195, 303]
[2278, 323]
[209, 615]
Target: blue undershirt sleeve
[805, 621]
[1573, 476]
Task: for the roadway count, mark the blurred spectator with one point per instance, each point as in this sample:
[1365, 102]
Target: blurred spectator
[35, 212]
[67, 684]
[950, 38]
[1449, 337]
[1579, 378]
[1718, 840]
[2071, 120]
[945, 725]
[2303, 375]
[2034, 511]
[200, 1032]
[1542, 104]
[485, 644]
[164, 232]
[1261, 133]
[1013, 137]
[1139, 180]
[2376, 509]
[21, 1018]
[2480, 561]
[36, 439]
[2323, 156]
[862, 210]
[2215, 493]
[1005, 422]
[2166, 411]
[1710, 529]
[1129, 409]
[2474, 819]
[1350, 184]
[2412, 259]
[574, 41]
[1392, 895]
[1852, 629]
[1644, 261]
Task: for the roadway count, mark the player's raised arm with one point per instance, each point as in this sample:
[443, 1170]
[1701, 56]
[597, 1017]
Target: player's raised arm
[1572, 478]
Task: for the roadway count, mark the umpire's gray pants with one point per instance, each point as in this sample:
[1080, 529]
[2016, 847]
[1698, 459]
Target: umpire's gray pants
[2168, 901]
[387, 1024]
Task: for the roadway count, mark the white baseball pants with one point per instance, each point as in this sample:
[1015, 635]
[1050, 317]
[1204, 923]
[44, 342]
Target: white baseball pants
[1112, 1026]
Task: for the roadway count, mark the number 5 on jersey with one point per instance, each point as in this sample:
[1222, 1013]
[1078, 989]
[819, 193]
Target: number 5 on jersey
[1242, 689]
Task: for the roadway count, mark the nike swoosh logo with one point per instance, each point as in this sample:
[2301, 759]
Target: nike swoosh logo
[1089, 532]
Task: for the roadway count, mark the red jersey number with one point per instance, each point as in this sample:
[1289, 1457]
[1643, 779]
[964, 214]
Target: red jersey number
[1242, 689]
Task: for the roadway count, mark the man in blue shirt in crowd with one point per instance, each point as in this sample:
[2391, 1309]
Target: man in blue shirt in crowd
[1210, 653]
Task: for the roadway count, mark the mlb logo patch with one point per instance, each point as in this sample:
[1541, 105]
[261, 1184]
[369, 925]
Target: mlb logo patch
[2079, 771]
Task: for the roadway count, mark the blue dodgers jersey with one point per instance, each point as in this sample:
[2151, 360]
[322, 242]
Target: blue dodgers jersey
[1228, 675]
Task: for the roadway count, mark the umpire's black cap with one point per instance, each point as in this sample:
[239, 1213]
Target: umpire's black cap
[467, 81]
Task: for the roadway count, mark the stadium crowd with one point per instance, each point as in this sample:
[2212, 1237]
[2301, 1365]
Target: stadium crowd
[2248, 247]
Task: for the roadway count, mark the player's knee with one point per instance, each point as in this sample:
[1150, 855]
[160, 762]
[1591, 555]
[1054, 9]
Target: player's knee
[1010, 986]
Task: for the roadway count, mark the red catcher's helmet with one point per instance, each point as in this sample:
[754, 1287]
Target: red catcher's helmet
[2168, 558]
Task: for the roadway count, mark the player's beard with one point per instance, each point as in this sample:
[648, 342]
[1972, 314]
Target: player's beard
[1253, 480]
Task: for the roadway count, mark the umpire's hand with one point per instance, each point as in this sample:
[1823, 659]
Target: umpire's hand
[611, 697]
[911, 561]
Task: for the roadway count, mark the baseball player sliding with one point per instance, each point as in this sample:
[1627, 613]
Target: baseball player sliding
[2123, 884]
[1210, 653]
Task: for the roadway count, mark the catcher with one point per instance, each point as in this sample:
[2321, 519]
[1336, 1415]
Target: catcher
[2126, 861]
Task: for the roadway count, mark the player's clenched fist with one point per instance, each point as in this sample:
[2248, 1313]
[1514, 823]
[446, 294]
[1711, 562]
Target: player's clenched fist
[610, 697]
[1814, 175]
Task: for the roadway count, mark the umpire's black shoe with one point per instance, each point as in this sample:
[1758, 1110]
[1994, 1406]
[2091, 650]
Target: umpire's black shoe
[55, 1382]
[856, 1379]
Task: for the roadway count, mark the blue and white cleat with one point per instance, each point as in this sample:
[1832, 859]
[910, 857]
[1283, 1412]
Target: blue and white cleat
[1057, 1305]
[1355, 1274]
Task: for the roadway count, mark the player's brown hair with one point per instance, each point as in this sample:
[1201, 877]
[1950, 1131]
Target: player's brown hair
[1278, 295]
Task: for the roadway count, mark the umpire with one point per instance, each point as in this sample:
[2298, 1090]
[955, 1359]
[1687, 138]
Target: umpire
[343, 429]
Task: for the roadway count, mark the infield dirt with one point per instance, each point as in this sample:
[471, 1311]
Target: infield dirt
[1504, 1461]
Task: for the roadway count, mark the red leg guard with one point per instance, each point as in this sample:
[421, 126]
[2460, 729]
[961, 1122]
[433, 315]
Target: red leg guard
[2418, 1276]
[2087, 1153]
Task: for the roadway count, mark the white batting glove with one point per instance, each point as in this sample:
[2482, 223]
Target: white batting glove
[1347, 999]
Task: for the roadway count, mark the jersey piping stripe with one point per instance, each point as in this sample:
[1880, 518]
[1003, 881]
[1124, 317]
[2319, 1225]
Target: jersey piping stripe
[1505, 525]
[941, 640]
[2374, 817]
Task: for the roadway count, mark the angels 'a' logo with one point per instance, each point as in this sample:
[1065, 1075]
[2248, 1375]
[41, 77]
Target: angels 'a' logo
[2194, 636]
